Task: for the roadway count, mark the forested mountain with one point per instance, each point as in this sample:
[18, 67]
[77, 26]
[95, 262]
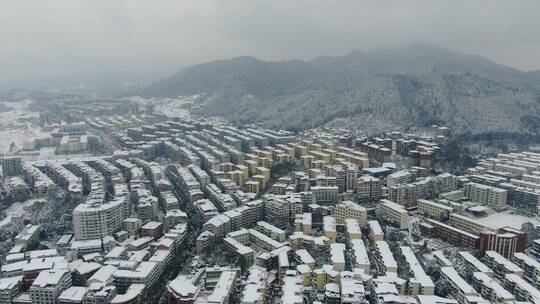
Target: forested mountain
[409, 85]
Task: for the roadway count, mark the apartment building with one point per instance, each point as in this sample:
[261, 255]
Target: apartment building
[350, 210]
[453, 235]
[205, 209]
[420, 283]
[400, 177]
[12, 166]
[500, 265]
[240, 249]
[328, 195]
[92, 220]
[146, 273]
[152, 229]
[224, 288]
[474, 264]
[352, 289]
[469, 224]
[530, 266]
[303, 222]
[255, 290]
[302, 256]
[48, 286]
[375, 231]
[490, 289]
[360, 255]
[459, 288]
[133, 225]
[329, 228]
[486, 195]
[505, 243]
[394, 213]
[352, 230]
[292, 288]
[384, 259]
[369, 188]
[433, 210]
[337, 256]
[522, 290]
[271, 231]
[10, 288]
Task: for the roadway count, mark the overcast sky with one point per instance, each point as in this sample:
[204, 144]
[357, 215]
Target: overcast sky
[81, 39]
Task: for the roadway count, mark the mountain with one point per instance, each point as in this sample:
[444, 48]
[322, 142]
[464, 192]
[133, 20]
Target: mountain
[404, 86]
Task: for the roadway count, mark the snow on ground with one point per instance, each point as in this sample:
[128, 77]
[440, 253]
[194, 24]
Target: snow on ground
[16, 210]
[173, 107]
[15, 128]
[503, 219]
[48, 153]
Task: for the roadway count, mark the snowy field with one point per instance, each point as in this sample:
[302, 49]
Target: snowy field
[15, 125]
[173, 107]
[16, 211]
[503, 219]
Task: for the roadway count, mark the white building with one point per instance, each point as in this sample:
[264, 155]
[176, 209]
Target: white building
[48, 285]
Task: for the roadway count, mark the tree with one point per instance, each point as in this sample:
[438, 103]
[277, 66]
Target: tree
[532, 232]
[441, 288]
[242, 262]
[434, 271]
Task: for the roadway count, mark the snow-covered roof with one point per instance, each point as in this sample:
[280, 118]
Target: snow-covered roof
[337, 253]
[360, 253]
[477, 264]
[420, 275]
[49, 278]
[453, 276]
[132, 292]
[386, 254]
[494, 286]
[305, 257]
[73, 294]
[104, 274]
[10, 283]
[499, 259]
[182, 286]
[291, 289]
[223, 287]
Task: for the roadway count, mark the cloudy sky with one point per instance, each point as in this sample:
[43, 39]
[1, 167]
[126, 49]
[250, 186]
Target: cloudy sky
[46, 41]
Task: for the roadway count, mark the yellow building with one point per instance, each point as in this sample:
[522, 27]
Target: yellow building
[375, 231]
[329, 228]
[301, 150]
[306, 274]
[433, 210]
[394, 213]
[302, 222]
[315, 147]
[265, 172]
[237, 177]
[352, 230]
[252, 186]
[283, 158]
[469, 224]
[265, 162]
[252, 166]
[318, 164]
[260, 179]
[348, 209]
[331, 152]
[226, 167]
[245, 171]
[279, 189]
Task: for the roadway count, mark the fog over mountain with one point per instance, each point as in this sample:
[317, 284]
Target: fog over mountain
[108, 43]
[407, 85]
